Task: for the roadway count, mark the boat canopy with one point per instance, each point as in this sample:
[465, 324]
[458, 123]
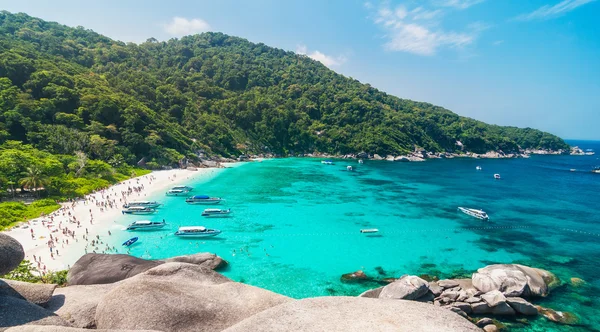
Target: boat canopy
[193, 228]
[142, 222]
[200, 197]
[212, 210]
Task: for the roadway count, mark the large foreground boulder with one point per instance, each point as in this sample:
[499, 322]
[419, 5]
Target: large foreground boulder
[338, 313]
[92, 269]
[405, 288]
[514, 280]
[181, 297]
[39, 294]
[203, 259]
[11, 254]
[15, 311]
[47, 328]
[77, 304]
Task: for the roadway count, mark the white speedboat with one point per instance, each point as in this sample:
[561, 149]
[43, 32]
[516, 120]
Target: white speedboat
[497, 176]
[185, 188]
[349, 168]
[478, 168]
[143, 225]
[196, 231]
[326, 162]
[177, 192]
[150, 204]
[203, 200]
[596, 170]
[138, 210]
[369, 230]
[360, 161]
[216, 213]
[479, 214]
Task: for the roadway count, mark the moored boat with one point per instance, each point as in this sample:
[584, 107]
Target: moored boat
[138, 210]
[216, 213]
[497, 176]
[130, 241]
[142, 225]
[327, 162]
[196, 231]
[478, 168]
[349, 168]
[479, 214]
[150, 204]
[596, 170]
[184, 188]
[203, 200]
[177, 192]
[360, 161]
[369, 230]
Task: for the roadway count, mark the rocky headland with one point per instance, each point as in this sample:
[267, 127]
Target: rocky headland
[187, 293]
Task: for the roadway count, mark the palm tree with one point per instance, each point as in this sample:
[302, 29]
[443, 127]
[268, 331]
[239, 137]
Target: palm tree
[34, 179]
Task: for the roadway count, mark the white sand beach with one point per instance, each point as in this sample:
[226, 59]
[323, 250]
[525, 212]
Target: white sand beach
[54, 242]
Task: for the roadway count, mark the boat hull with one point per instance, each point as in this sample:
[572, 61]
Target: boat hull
[177, 194]
[197, 235]
[146, 228]
[207, 202]
[138, 212]
[208, 215]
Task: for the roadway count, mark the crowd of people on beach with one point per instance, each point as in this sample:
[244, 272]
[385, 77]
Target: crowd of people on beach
[64, 226]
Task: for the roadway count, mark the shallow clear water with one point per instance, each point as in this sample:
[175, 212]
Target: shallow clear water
[295, 227]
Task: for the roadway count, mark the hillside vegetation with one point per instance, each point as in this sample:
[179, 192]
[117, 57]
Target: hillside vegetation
[64, 90]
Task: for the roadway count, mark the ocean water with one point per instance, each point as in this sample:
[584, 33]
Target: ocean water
[296, 224]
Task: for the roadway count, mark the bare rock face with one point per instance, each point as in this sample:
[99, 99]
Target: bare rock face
[405, 288]
[521, 306]
[354, 277]
[338, 313]
[48, 328]
[11, 254]
[203, 259]
[92, 269]
[514, 280]
[561, 317]
[15, 311]
[39, 294]
[372, 293]
[181, 297]
[77, 304]
[448, 283]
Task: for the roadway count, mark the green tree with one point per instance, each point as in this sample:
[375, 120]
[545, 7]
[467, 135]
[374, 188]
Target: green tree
[34, 179]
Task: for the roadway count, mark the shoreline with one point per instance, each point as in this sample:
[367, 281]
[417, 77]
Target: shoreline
[75, 224]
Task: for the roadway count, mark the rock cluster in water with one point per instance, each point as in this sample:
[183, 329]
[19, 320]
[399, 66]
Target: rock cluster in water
[495, 290]
[124, 293]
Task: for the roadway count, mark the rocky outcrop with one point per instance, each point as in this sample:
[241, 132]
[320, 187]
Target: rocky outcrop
[521, 306]
[405, 288]
[93, 269]
[77, 304]
[354, 277]
[181, 297]
[15, 311]
[203, 259]
[561, 317]
[11, 254]
[46, 328]
[514, 280]
[38, 294]
[354, 314]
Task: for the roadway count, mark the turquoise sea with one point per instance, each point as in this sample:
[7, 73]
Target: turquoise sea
[296, 224]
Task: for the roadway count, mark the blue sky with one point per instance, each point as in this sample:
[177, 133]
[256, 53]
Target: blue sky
[532, 63]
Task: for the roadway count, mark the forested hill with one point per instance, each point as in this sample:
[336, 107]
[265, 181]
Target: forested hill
[68, 89]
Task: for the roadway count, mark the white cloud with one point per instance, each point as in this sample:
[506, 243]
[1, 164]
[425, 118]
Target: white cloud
[498, 42]
[180, 26]
[459, 4]
[417, 30]
[368, 5]
[419, 40]
[327, 60]
[548, 11]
